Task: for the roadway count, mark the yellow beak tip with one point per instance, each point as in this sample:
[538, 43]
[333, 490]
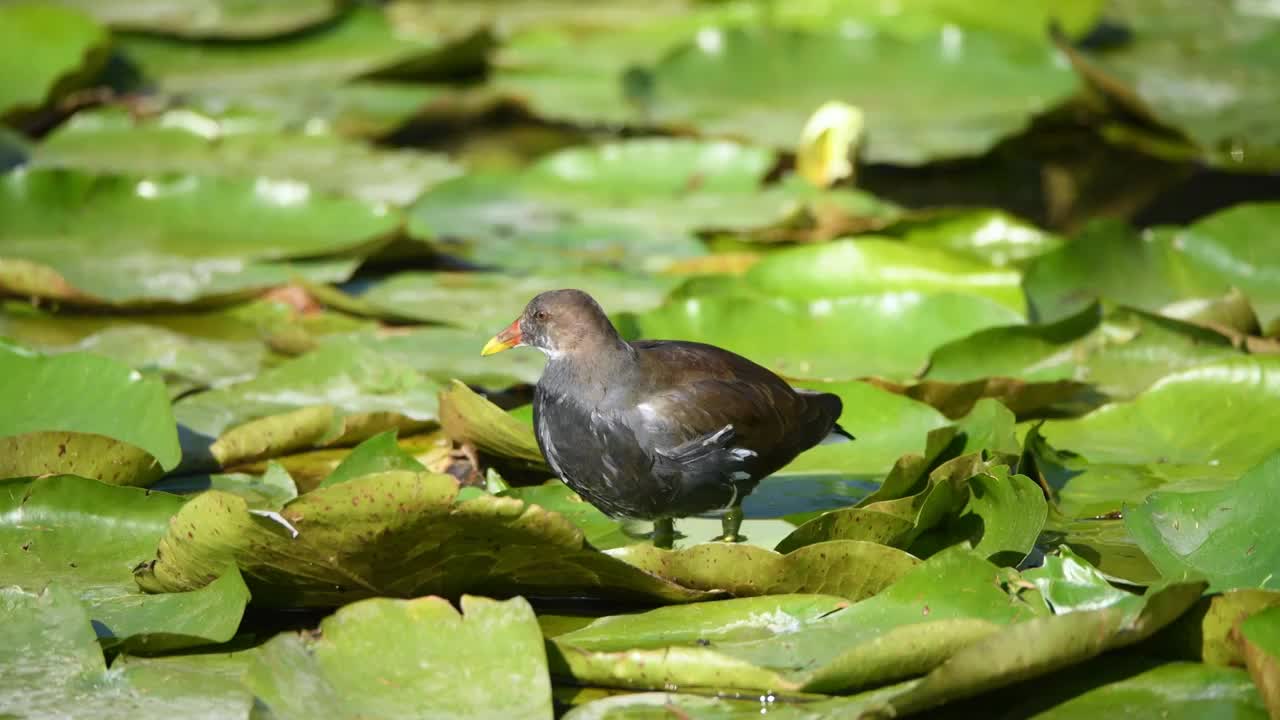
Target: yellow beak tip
[493, 346]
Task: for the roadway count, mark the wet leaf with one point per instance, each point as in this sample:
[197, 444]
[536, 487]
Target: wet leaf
[637, 204]
[124, 239]
[933, 611]
[469, 418]
[268, 491]
[379, 453]
[1222, 535]
[361, 43]
[743, 83]
[1204, 633]
[45, 48]
[1069, 584]
[809, 339]
[86, 537]
[850, 569]
[1176, 691]
[233, 146]
[396, 534]
[1180, 48]
[340, 392]
[446, 353]
[490, 301]
[1259, 638]
[209, 18]
[65, 411]
[385, 658]
[1001, 520]
[990, 236]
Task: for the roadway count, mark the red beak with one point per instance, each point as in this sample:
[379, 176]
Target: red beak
[505, 340]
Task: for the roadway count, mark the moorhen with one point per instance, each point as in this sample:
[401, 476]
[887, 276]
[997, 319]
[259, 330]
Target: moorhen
[658, 429]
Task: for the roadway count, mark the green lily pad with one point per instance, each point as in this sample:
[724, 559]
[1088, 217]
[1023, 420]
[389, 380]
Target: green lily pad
[66, 411]
[187, 141]
[1001, 520]
[939, 607]
[742, 83]
[1110, 260]
[1069, 584]
[268, 491]
[810, 339]
[1237, 246]
[1172, 691]
[52, 666]
[868, 265]
[470, 418]
[209, 18]
[1187, 417]
[397, 534]
[1207, 72]
[400, 658]
[125, 239]
[1221, 535]
[1038, 647]
[848, 568]
[1206, 633]
[332, 394]
[446, 353]
[86, 537]
[1105, 544]
[635, 204]
[989, 236]
[361, 43]
[379, 453]
[1259, 638]
[45, 48]
[1120, 354]
[490, 301]
[600, 531]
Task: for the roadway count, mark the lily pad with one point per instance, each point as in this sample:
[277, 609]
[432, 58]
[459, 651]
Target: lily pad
[810, 339]
[447, 353]
[187, 141]
[491, 301]
[939, 607]
[1222, 535]
[52, 666]
[469, 418]
[209, 18]
[869, 265]
[45, 48]
[990, 236]
[334, 393]
[379, 453]
[743, 83]
[361, 43]
[65, 414]
[85, 536]
[268, 491]
[1207, 72]
[1172, 691]
[636, 204]
[1002, 519]
[123, 239]
[1259, 638]
[1186, 417]
[401, 658]
[847, 568]
[397, 534]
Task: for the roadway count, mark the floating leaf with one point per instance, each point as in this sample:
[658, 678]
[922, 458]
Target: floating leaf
[268, 491]
[1001, 520]
[1172, 691]
[1259, 638]
[44, 48]
[361, 43]
[341, 391]
[811, 339]
[636, 204]
[1207, 72]
[939, 607]
[469, 418]
[850, 569]
[990, 236]
[385, 658]
[379, 453]
[187, 141]
[209, 18]
[65, 415]
[744, 83]
[125, 239]
[397, 534]
[1069, 584]
[445, 353]
[1222, 535]
[489, 302]
[86, 537]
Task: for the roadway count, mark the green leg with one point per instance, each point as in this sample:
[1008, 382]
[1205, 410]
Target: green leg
[664, 533]
[730, 523]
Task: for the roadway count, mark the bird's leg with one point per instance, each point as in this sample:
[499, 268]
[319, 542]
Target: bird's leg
[664, 533]
[730, 523]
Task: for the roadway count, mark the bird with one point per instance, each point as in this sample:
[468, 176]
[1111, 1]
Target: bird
[658, 429]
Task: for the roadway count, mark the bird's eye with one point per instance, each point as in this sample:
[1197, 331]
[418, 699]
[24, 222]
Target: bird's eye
[540, 315]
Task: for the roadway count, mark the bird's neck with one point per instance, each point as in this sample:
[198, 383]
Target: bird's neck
[589, 372]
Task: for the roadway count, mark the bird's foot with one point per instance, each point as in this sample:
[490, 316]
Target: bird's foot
[664, 533]
[731, 523]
